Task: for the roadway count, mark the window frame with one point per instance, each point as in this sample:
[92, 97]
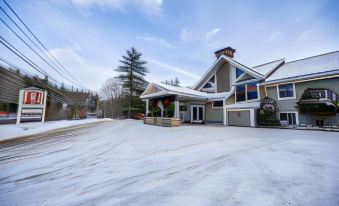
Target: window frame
[220, 107]
[258, 94]
[286, 98]
[236, 69]
[246, 98]
[236, 95]
[293, 112]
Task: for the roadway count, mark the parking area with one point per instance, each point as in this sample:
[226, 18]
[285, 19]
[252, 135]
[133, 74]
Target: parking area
[130, 163]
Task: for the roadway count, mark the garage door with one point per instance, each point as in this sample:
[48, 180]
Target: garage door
[239, 118]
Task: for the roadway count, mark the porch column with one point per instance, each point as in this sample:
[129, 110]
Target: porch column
[147, 107]
[224, 112]
[252, 116]
[176, 109]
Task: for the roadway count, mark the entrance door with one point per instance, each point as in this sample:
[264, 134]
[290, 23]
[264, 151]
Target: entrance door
[197, 113]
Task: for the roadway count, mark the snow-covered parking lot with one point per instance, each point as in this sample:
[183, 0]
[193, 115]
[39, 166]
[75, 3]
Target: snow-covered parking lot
[129, 163]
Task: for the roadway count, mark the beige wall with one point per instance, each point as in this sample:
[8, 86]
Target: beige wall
[230, 100]
[223, 78]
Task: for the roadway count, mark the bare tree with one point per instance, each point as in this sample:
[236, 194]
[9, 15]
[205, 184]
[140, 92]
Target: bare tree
[172, 82]
[111, 94]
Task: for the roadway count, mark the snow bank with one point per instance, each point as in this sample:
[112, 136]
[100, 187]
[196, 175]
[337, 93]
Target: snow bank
[13, 131]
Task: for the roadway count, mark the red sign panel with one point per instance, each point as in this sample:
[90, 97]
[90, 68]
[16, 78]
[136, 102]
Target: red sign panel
[33, 97]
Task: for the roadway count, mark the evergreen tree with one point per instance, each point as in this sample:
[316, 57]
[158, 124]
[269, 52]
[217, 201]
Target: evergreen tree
[132, 73]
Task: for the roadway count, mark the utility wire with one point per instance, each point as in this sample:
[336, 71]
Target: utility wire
[24, 58]
[33, 49]
[56, 70]
[37, 39]
[43, 85]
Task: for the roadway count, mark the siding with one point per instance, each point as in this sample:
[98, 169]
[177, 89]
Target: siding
[230, 100]
[332, 84]
[283, 105]
[223, 78]
[290, 105]
[213, 115]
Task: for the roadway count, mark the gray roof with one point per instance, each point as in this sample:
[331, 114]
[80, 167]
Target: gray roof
[312, 66]
[266, 68]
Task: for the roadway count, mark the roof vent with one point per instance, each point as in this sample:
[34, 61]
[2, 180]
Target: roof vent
[228, 51]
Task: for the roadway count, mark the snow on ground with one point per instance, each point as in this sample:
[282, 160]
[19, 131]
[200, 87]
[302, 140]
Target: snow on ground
[129, 163]
[9, 131]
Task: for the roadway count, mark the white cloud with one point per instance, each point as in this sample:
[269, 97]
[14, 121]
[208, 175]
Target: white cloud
[212, 33]
[194, 34]
[150, 7]
[160, 41]
[173, 68]
[275, 36]
[305, 35]
[116, 4]
[191, 34]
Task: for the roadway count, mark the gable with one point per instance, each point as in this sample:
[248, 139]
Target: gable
[152, 89]
[244, 77]
[217, 64]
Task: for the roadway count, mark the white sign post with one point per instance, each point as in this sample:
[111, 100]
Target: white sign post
[32, 105]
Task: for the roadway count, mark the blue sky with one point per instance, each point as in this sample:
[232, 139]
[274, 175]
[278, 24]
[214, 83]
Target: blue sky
[178, 38]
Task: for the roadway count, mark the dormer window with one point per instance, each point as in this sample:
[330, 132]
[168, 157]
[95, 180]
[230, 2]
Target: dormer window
[209, 85]
[238, 72]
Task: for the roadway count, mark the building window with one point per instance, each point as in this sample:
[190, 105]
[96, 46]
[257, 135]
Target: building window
[252, 91]
[217, 104]
[240, 91]
[286, 91]
[287, 118]
[238, 72]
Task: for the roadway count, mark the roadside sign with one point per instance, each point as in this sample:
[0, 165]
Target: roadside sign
[32, 105]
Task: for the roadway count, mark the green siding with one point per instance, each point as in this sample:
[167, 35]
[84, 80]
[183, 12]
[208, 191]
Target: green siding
[283, 105]
[213, 115]
[332, 84]
[290, 105]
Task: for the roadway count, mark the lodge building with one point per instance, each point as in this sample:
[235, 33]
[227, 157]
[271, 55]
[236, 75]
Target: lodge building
[297, 93]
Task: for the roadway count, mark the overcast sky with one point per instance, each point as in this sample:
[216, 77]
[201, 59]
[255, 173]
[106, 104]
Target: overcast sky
[177, 38]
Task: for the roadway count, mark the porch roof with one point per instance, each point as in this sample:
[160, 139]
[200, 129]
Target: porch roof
[155, 90]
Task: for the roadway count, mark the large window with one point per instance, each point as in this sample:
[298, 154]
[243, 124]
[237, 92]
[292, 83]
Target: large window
[247, 92]
[240, 91]
[252, 91]
[286, 91]
[238, 72]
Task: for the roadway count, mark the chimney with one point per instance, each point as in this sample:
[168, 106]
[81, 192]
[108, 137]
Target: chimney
[228, 51]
